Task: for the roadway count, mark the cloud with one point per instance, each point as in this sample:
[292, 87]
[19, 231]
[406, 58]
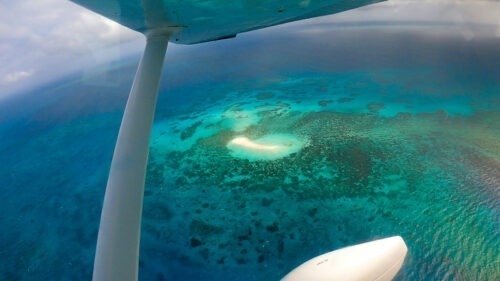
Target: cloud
[52, 38]
[16, 76]
[45, 39]
[468, 19]
[61, 24]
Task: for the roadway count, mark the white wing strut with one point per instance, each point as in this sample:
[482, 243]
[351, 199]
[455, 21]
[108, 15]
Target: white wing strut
[117, 253]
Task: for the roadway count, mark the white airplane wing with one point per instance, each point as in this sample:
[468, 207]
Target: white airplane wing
[208, 20]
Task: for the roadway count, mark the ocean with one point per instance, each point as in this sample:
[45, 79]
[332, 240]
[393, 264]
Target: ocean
[386, 131]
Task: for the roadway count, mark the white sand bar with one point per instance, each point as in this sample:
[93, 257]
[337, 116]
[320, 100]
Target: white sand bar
[246, 143]
[268, 147]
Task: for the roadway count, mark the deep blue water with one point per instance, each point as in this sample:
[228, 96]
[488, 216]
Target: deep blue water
[401, 133]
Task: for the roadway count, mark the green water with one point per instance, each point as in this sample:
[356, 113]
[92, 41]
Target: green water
[378, 161]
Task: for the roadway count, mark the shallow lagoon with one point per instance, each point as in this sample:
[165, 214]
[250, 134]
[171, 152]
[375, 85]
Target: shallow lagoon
[391, 146]
[366, 172]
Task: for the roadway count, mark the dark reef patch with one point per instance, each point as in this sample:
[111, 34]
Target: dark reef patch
[344, 100]
[189, 131]
[375, 107]
[324, 102]
[202, 228]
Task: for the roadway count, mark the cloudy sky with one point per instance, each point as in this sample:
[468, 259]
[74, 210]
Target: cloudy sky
[42, 40]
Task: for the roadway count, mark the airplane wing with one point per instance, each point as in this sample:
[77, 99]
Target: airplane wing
[209, 20]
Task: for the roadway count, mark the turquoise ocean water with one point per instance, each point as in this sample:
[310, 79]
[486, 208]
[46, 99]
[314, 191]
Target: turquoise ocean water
[398, 134]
